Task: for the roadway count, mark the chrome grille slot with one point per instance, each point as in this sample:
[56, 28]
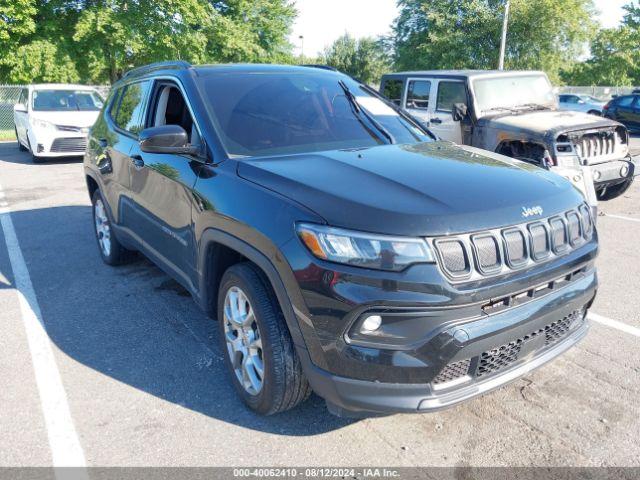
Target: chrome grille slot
[516, 247]
[454, 257]
[559, 239]
[473, 256]
[487, 252]
[70, 144]
[539, 241]
[574, 227]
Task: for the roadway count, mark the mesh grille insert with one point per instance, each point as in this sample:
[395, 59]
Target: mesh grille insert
[539, 241]
[516, 246]
[69, 145]
[558, 235]
[453, 371]
[574, 227]
[505, 355]
[488, 252]
[454, 256]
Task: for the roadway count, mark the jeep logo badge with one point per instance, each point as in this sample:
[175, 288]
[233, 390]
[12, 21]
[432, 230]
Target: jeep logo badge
[531, 211]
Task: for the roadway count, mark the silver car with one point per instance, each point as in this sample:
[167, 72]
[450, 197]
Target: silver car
[580, 103]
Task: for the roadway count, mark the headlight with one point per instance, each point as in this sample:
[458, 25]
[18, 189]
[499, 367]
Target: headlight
[37, 123]
[363, 249]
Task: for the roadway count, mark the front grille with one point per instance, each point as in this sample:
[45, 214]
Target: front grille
[453, 371]
[596, 144]
[501, 357]
[70, 145]
[473, 256]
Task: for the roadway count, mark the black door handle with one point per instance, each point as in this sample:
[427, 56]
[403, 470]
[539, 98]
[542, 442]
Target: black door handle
[138, 162]
[436, 121]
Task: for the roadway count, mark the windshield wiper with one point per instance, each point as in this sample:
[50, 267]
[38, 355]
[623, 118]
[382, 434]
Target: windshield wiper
[357, 108]
[533, 106]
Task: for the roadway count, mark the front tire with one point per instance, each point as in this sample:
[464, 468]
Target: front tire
[21, 147]
[609, 193]
[258, 350]
[111, 251]
[595, 112]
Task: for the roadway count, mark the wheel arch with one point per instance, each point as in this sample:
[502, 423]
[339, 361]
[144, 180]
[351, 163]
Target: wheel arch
[218, 251]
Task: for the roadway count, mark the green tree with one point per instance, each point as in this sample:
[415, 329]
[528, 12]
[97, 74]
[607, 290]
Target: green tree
[615, 56]
[98, 40]
[364, 59]
[543, 34]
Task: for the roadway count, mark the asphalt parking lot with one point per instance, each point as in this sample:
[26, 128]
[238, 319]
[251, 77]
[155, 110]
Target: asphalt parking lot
[143, 382]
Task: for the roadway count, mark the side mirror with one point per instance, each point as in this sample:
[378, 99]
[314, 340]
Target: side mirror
[459, 112]
[19, 107]
[170, 139]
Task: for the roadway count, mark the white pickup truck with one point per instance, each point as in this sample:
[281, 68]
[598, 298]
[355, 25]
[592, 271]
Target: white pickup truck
[516, 114]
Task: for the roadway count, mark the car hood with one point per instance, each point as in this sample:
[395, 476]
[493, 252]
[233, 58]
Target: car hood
[548, 122]
[423, 189]
[72, 118]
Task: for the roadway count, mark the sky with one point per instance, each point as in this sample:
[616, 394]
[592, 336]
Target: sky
[320, 22]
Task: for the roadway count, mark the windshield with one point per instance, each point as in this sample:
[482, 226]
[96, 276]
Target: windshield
[267, 113]
[66, 100]
[504, 92]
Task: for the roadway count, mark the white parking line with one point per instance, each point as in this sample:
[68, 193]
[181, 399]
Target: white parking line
[623, 327]
[621, 217]
[63, 440]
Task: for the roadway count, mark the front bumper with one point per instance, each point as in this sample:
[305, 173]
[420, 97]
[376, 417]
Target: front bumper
[610, 173]
[493, 336]
[57, 143]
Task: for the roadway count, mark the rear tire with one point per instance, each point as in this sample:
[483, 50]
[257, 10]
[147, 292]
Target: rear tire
[609, 193]
[111, 250]
[257, 346]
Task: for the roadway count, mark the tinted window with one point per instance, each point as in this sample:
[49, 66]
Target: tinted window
[418, 94]
[130, 114]
[450, 93]
[625, 101]
[24, 93]
[299, 112]
[568, 98]
[392, 89]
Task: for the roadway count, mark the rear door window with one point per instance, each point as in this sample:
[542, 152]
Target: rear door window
[130, 115]
[625, 101]
[450, 93]
[418, 94]
[392, 89]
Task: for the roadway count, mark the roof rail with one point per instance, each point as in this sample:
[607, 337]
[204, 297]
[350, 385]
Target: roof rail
[323, 67]
[173, 64]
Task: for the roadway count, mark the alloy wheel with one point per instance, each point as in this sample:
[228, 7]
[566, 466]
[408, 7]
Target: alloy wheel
[243, 339]
[103, 228]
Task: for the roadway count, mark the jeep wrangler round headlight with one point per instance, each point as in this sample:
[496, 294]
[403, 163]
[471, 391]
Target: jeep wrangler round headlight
[364, 249]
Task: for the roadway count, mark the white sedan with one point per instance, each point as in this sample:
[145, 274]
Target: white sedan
[53, 120]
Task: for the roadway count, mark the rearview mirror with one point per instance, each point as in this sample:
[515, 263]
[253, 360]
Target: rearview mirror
[19, 107]
[170, 139]
[459, 112]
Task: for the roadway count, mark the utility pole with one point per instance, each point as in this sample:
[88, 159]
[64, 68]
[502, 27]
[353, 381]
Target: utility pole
[503, 42]
[301, 37]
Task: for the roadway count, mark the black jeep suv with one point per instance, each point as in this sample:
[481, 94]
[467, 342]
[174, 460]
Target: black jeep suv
[340, 247]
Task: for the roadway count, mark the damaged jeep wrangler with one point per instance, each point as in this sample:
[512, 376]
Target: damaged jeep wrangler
[516, 114]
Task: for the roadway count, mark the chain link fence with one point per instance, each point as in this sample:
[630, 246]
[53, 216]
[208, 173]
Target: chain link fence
[9, 97]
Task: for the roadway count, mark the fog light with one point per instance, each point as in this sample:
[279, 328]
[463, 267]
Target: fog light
[577, 178]
[624, 171]
[597, 174]
[371, 323]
